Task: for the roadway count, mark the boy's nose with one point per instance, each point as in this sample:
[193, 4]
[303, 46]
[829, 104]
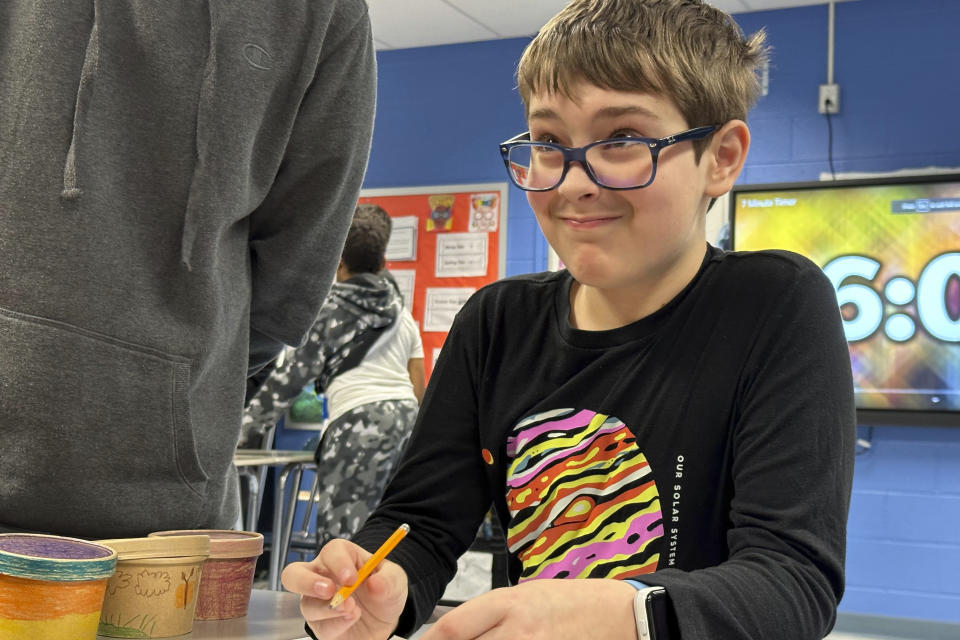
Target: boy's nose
[577, 183]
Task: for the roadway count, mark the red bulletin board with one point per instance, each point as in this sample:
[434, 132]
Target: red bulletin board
[438, 241]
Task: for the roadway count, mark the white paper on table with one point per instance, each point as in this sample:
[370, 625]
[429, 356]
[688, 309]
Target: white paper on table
[403, 239]
[473, 577]
[461, 255]
[405, 278]
[442, 304]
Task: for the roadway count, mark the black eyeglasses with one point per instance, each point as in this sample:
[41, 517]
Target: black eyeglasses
[615, 163]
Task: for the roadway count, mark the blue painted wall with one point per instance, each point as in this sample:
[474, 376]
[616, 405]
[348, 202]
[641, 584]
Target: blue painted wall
[442, 111]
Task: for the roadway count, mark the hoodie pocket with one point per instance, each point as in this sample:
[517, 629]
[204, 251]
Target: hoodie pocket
[96, 433]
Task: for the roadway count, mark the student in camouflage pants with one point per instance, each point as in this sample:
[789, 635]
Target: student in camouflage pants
[365, 353]
[356, 458]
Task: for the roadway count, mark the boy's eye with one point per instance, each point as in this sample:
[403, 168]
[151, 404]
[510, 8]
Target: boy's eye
[625, 133]
[544, 137]
[612, 143]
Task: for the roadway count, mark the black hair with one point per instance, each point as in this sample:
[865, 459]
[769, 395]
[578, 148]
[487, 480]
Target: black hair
[367, 239]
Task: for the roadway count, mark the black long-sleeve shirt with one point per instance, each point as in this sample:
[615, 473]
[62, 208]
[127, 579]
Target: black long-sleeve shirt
[707, 448]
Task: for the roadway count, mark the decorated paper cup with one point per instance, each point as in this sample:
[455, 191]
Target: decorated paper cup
[51, 587]
[153, 594]
[227, 574]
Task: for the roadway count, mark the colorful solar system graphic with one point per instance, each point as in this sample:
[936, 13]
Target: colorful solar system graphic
[582, 499]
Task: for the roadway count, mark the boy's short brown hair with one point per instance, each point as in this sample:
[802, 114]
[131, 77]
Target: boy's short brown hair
[684, 50]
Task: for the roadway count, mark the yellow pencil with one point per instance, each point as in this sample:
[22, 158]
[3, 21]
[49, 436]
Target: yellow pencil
[344, 592]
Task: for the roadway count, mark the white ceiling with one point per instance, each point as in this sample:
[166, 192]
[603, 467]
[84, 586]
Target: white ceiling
[401, 24]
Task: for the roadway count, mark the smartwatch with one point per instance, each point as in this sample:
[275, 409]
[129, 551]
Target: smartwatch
[650, 614]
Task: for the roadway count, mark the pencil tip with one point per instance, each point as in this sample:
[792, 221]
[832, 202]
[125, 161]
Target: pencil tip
[336, 601]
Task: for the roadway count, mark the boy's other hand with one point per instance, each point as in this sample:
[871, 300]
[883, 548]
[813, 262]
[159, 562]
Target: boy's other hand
[370, 613]
[543, 610]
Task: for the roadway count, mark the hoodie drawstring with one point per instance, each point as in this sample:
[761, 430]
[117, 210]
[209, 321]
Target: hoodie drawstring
[91, 61]
[193, 213]
[191, 235]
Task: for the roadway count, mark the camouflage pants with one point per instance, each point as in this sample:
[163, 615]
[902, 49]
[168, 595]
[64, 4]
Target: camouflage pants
[355, 459]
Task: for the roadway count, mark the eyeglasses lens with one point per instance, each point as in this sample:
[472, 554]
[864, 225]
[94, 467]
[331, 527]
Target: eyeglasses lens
[615, 164]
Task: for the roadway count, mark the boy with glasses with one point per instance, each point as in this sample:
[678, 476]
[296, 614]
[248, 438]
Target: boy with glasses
[670, 423]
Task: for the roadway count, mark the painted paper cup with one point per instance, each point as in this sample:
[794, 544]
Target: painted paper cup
[153, 593]
[227, 573]
[51, 587]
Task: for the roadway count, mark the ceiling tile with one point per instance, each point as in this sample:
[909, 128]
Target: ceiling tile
[766, 5]
[422, 23]
[730, 6]
[510, 18]
[399, 24]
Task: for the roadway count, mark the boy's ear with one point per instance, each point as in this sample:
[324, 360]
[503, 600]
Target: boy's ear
[728, 152]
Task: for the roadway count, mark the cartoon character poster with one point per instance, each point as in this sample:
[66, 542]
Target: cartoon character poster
[441, 213]
[484, 211]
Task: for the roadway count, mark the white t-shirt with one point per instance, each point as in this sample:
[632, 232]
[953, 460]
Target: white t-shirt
[383, 374]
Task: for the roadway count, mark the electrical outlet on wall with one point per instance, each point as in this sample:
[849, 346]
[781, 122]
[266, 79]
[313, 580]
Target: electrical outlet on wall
[829, 98]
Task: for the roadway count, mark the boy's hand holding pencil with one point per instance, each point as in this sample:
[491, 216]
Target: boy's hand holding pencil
[347, 592]
[370, 565]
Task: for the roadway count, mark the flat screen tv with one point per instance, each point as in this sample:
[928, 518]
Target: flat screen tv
[891, 248]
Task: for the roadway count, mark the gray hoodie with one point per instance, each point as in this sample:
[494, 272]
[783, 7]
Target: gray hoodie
[173, 175]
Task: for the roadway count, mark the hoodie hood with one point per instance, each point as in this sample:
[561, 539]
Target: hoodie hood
[356, 313]
[369, 297]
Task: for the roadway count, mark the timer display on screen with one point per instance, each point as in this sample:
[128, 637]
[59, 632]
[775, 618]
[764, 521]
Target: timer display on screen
[892, 253]
[933, 300]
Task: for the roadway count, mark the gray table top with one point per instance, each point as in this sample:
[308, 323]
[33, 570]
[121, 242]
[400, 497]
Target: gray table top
[273, 615]
[257, 457]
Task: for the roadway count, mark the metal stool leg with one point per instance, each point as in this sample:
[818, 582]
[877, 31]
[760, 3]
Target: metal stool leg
[283, 517]
[291, 508]
[253, 501]
[262, 471]
[276, 546]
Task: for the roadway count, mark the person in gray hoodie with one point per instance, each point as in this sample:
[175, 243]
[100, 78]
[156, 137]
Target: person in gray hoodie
[176, 183]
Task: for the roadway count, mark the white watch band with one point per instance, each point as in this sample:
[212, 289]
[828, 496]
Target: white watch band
[640, 612]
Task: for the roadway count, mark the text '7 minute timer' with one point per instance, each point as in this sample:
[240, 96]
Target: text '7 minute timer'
[935, 296]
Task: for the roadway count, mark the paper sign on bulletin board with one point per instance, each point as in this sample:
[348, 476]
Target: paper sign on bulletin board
[447, 242]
